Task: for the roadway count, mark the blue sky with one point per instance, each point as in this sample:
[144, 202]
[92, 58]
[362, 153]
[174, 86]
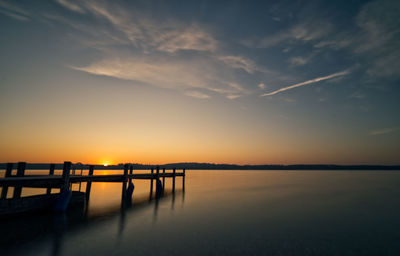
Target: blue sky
[280, 81]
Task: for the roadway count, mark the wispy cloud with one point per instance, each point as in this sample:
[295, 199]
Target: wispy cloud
[298, 61]
[232, 97]
[14, 11]
[262, 86]
[160, 72]
[197, 94]
[303, 60]
[168, 53]
[378, 38]
[315, 80]
[133, 44]
[185, 75]
[357, 95]
[239, 62]
[373, 38]
[384, 131]
[161, 51]
[141, 31]
[304, 32]
[71, 6]
[192, 38]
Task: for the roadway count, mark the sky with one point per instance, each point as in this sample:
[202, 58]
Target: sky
[243, 82]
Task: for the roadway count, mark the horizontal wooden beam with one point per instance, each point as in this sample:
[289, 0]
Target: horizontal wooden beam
[26, 181]
[57, 181]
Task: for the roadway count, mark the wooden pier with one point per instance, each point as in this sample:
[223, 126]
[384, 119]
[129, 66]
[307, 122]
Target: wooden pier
[63, 182]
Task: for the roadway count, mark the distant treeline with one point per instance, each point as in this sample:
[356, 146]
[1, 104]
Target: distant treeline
[209, 166]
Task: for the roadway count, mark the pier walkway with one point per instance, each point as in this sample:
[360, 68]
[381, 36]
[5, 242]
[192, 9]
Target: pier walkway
[19, 179]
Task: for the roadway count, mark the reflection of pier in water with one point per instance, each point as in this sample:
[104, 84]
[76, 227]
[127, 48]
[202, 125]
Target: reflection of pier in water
[59, 202]
[58, 227]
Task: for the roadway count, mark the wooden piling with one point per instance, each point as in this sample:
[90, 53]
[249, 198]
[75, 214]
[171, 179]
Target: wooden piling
[163, 178]
[157, 174]
[20, 173]
[65, 175]
[151, 182]
[159, 187]
[5, 187]
[89, 183]
[125, 179]
[51, 172]
[183, 180]
[130, 172]
[173, 180]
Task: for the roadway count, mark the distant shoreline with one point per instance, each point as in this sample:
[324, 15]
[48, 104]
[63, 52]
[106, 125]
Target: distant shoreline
[208, 166]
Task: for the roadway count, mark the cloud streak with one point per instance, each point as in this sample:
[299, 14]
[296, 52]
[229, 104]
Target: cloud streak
[302, 32]
[197, 95]
[312, 81]
[262, 86]
[140, 31]
[187, 76]
[384, 131]
[14, 11]
[71, 6]
[165, 73]
[239, 62]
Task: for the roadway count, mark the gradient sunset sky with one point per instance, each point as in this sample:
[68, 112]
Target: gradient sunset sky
[245, 82]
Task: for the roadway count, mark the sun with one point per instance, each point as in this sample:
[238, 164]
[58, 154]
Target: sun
[106, 163]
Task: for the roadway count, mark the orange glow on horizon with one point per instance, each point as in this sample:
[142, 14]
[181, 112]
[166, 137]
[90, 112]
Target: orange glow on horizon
[105, 162]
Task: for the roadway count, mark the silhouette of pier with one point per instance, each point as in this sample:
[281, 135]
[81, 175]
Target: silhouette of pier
[10, 204]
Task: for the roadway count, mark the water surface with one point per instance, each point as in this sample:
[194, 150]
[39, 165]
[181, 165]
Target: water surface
[226, 213]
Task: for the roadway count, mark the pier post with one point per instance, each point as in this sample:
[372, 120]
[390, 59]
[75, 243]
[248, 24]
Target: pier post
[65, 176]
[62, 202]
[89, 183]
[51, 172]
[151, 183]
[130, 188]
[159, 186]
[5, 187]
[130, 173]
[125, 179]
[183, 179]
[20, 173]
[163, 178]
[173, 180]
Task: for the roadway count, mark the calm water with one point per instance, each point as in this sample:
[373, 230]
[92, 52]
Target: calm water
[227, 213]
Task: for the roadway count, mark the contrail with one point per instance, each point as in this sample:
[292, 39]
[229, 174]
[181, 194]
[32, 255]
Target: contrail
[343, 73]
